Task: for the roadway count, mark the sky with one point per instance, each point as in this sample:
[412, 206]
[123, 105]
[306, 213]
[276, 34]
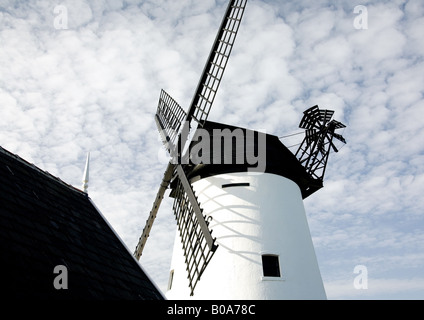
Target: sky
[85, 76]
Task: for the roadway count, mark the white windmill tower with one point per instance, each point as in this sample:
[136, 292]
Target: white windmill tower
[238, 195]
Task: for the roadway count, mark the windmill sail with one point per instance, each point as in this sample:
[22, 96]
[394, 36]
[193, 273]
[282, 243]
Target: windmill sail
[217, 62]
[152, 216]
[197, 242]
[169, 117]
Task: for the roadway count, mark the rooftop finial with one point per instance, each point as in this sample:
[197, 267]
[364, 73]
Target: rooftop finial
[86, 174]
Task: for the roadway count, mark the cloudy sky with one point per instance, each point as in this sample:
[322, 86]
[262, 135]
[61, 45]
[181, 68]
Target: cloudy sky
[85, 75]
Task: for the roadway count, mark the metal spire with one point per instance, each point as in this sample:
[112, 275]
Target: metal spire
[85, 177]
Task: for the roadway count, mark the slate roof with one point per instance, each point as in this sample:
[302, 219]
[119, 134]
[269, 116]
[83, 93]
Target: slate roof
[44, 223]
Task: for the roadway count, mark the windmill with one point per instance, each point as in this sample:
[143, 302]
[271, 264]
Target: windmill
[242, 229]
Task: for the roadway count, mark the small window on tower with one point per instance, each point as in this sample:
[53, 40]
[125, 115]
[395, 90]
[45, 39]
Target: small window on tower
[271, 265]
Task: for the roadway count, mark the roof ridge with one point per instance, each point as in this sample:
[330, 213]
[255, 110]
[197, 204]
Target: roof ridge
[43, 172]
